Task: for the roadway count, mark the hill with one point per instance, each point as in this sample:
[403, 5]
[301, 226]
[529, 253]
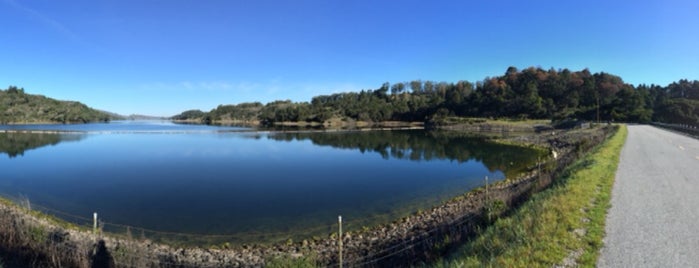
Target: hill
[532, 93]
[18, 107]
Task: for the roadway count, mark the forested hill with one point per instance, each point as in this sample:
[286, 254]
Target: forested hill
[19, 107]
[532, 93]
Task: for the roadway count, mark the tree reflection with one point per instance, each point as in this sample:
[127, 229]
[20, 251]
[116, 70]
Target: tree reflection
[15, 144]
[426, 146]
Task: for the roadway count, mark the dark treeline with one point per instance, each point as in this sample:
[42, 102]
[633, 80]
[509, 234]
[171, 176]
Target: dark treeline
[15, 144]
[425, 146]
[532, 93]
[16, 106]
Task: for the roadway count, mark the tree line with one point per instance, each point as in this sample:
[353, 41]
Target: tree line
[532, 93]
[16, 106]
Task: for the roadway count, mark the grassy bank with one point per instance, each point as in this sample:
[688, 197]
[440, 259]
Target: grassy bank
[563, 225]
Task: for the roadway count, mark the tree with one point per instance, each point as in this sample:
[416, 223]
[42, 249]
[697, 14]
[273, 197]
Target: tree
[397, 88]
[416, 85]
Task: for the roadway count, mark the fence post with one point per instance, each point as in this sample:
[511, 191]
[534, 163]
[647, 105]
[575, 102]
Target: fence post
[94, 225]
[486, 189]
[487, 201]
[339, 221]
[94, 232]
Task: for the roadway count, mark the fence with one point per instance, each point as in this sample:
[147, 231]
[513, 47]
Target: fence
[396, 243]
[684, 128]
[382, 251]
[200, 239]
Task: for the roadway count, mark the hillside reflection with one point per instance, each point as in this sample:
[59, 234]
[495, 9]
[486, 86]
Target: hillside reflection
[15, 144]
[426, 146]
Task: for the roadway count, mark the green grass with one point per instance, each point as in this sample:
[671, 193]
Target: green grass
[287, 261]
[566, 218]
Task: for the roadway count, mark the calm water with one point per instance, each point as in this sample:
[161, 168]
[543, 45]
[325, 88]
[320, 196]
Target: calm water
[212, 180]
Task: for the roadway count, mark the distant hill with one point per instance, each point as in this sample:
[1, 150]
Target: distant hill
[17, 107]
[115, 116]
[144, 117]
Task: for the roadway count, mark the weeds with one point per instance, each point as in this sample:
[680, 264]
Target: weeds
[286, 261]
[37, 234]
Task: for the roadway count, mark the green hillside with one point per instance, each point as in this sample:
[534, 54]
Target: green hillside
[17, 107]
[532, 93]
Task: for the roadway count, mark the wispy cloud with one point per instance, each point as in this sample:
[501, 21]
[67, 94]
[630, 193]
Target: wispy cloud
[43, 19]
[266, 91]
[327, 88]
[221, 86]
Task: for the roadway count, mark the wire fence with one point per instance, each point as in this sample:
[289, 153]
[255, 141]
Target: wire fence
[384, 252]
[395, 250]
[386, 249]
[208, 239]
[138, 259]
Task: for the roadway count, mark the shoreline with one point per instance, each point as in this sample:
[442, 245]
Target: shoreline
[330, 124]
[450, 219]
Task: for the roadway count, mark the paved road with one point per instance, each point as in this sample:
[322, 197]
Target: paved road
[654, 218]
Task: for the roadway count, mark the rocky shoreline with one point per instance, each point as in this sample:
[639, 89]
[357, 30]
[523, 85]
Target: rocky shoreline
[36, 240]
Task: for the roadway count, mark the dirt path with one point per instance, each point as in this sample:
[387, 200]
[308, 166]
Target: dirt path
[654, 218]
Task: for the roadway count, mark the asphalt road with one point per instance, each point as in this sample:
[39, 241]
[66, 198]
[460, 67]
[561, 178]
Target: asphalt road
[654, 218]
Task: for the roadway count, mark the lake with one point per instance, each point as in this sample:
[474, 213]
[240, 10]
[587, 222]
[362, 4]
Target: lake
[245, 184]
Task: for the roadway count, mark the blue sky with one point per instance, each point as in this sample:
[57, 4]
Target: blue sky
[164, 57]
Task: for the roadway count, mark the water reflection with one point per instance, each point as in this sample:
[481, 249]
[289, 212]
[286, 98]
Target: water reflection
[15, 144]
[426, 146]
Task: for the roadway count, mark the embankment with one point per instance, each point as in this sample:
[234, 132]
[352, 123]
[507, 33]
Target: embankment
[37, 240]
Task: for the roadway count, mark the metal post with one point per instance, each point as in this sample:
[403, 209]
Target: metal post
[487, 202]
[486, 189]
[339, 221]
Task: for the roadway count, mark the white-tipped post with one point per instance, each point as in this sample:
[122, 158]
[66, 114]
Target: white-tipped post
[94, 225]
[339, 221]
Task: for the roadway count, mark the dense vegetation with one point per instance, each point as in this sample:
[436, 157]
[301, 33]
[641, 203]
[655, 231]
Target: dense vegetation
[532, 93]
[19, 107]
